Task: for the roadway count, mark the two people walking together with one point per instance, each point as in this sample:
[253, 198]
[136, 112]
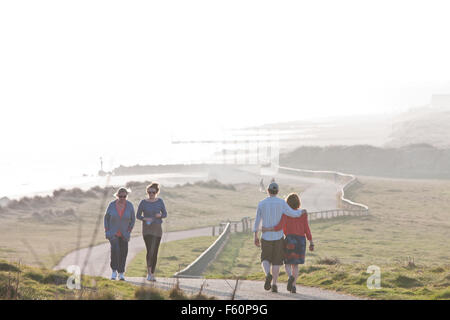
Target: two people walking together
[119, 221]
[280, 217]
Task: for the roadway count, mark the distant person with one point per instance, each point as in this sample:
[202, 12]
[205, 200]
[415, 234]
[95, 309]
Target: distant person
[151, 211]
[261, 185]
[119, 222]
[273, 180]
[270, 211]
[295, 230]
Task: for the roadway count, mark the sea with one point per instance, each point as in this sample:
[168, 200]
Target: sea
[40, 174]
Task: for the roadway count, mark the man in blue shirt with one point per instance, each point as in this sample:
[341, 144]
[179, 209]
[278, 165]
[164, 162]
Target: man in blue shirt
[269, 212]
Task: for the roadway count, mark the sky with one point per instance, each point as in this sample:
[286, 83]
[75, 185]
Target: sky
[95, 75]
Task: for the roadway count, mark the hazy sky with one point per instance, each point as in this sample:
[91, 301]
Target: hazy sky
[86, 72]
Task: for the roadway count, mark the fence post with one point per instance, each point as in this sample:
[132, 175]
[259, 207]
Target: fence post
[213, 230]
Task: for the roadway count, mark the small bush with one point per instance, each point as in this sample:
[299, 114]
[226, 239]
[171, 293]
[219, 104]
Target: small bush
[148, 293]
[403, 281]
[443, 295]
[326, 282]
[177, 294]
[310, 269]
[172, 258]
[328, 261]
[5, 266]
[340, 276]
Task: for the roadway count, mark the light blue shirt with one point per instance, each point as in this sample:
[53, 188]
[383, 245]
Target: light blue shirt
[270, 211]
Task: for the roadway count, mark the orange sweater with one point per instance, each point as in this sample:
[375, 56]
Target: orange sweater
[121, 212]
[298, 226]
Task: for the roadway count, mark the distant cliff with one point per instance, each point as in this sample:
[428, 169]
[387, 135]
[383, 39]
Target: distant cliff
[420, 161]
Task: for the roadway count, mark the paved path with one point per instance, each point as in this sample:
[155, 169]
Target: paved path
[98, 262]
[319, 195]
[247, 289]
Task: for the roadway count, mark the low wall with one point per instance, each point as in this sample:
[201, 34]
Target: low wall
[348, 207]
[196, 268]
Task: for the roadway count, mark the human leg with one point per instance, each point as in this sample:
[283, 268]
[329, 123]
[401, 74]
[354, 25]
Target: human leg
[154, 257]
[266, 256]
[148, 246]
[123, 252]
[114, 263]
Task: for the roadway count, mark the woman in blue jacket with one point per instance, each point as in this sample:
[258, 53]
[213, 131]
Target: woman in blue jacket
[119, 222]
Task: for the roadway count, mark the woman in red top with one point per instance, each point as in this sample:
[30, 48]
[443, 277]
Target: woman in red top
[295, 230]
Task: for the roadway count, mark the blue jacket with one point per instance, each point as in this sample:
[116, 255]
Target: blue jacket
[114, 223]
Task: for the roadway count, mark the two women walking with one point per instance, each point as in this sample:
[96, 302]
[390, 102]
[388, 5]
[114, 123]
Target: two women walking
[119, 221]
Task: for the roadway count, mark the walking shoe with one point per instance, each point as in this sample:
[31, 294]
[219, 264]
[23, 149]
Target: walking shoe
[274, 288]
[149, 277]
[267, 285]
[114, 275]
[290, 283]
[293, 290]
[121, 277]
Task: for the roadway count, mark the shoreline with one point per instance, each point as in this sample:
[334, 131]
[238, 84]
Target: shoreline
[168, 179]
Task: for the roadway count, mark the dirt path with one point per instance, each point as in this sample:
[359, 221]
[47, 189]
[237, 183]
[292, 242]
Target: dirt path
[319, 195]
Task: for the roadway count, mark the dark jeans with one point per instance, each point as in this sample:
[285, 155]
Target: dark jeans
[152, 245]
[119, 251]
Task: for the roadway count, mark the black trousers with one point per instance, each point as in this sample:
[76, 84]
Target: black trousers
[119, 252]
[152, 245]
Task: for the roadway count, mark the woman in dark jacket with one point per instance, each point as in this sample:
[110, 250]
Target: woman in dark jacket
[119, 222]
[151, 211]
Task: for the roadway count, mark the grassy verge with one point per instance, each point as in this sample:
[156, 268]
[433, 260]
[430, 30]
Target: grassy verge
[240, 258]
[31, 283]
[172, 257]
[406, 235]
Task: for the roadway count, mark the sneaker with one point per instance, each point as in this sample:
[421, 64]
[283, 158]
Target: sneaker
[293, 290]
[121, 277]
[153, 279]
[274, 288]
[267, 285]
[149, 277]
[114, 275]
[290, 283]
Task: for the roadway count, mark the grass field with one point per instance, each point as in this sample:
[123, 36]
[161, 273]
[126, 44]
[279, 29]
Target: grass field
[406, 235]
[173, 256]
[23, 282]
[40, 231]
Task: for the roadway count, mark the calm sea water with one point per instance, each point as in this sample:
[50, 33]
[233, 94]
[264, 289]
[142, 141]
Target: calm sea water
[41, 173]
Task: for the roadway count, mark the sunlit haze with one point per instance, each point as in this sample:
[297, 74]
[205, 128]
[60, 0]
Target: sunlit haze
[83, 79]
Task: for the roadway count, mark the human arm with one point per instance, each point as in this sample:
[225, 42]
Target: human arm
[163, 213]
[308, 234]
[256, 226]
[278, 227]
[140, 209]
[106, 221]
[132, 219]
[287, 210]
